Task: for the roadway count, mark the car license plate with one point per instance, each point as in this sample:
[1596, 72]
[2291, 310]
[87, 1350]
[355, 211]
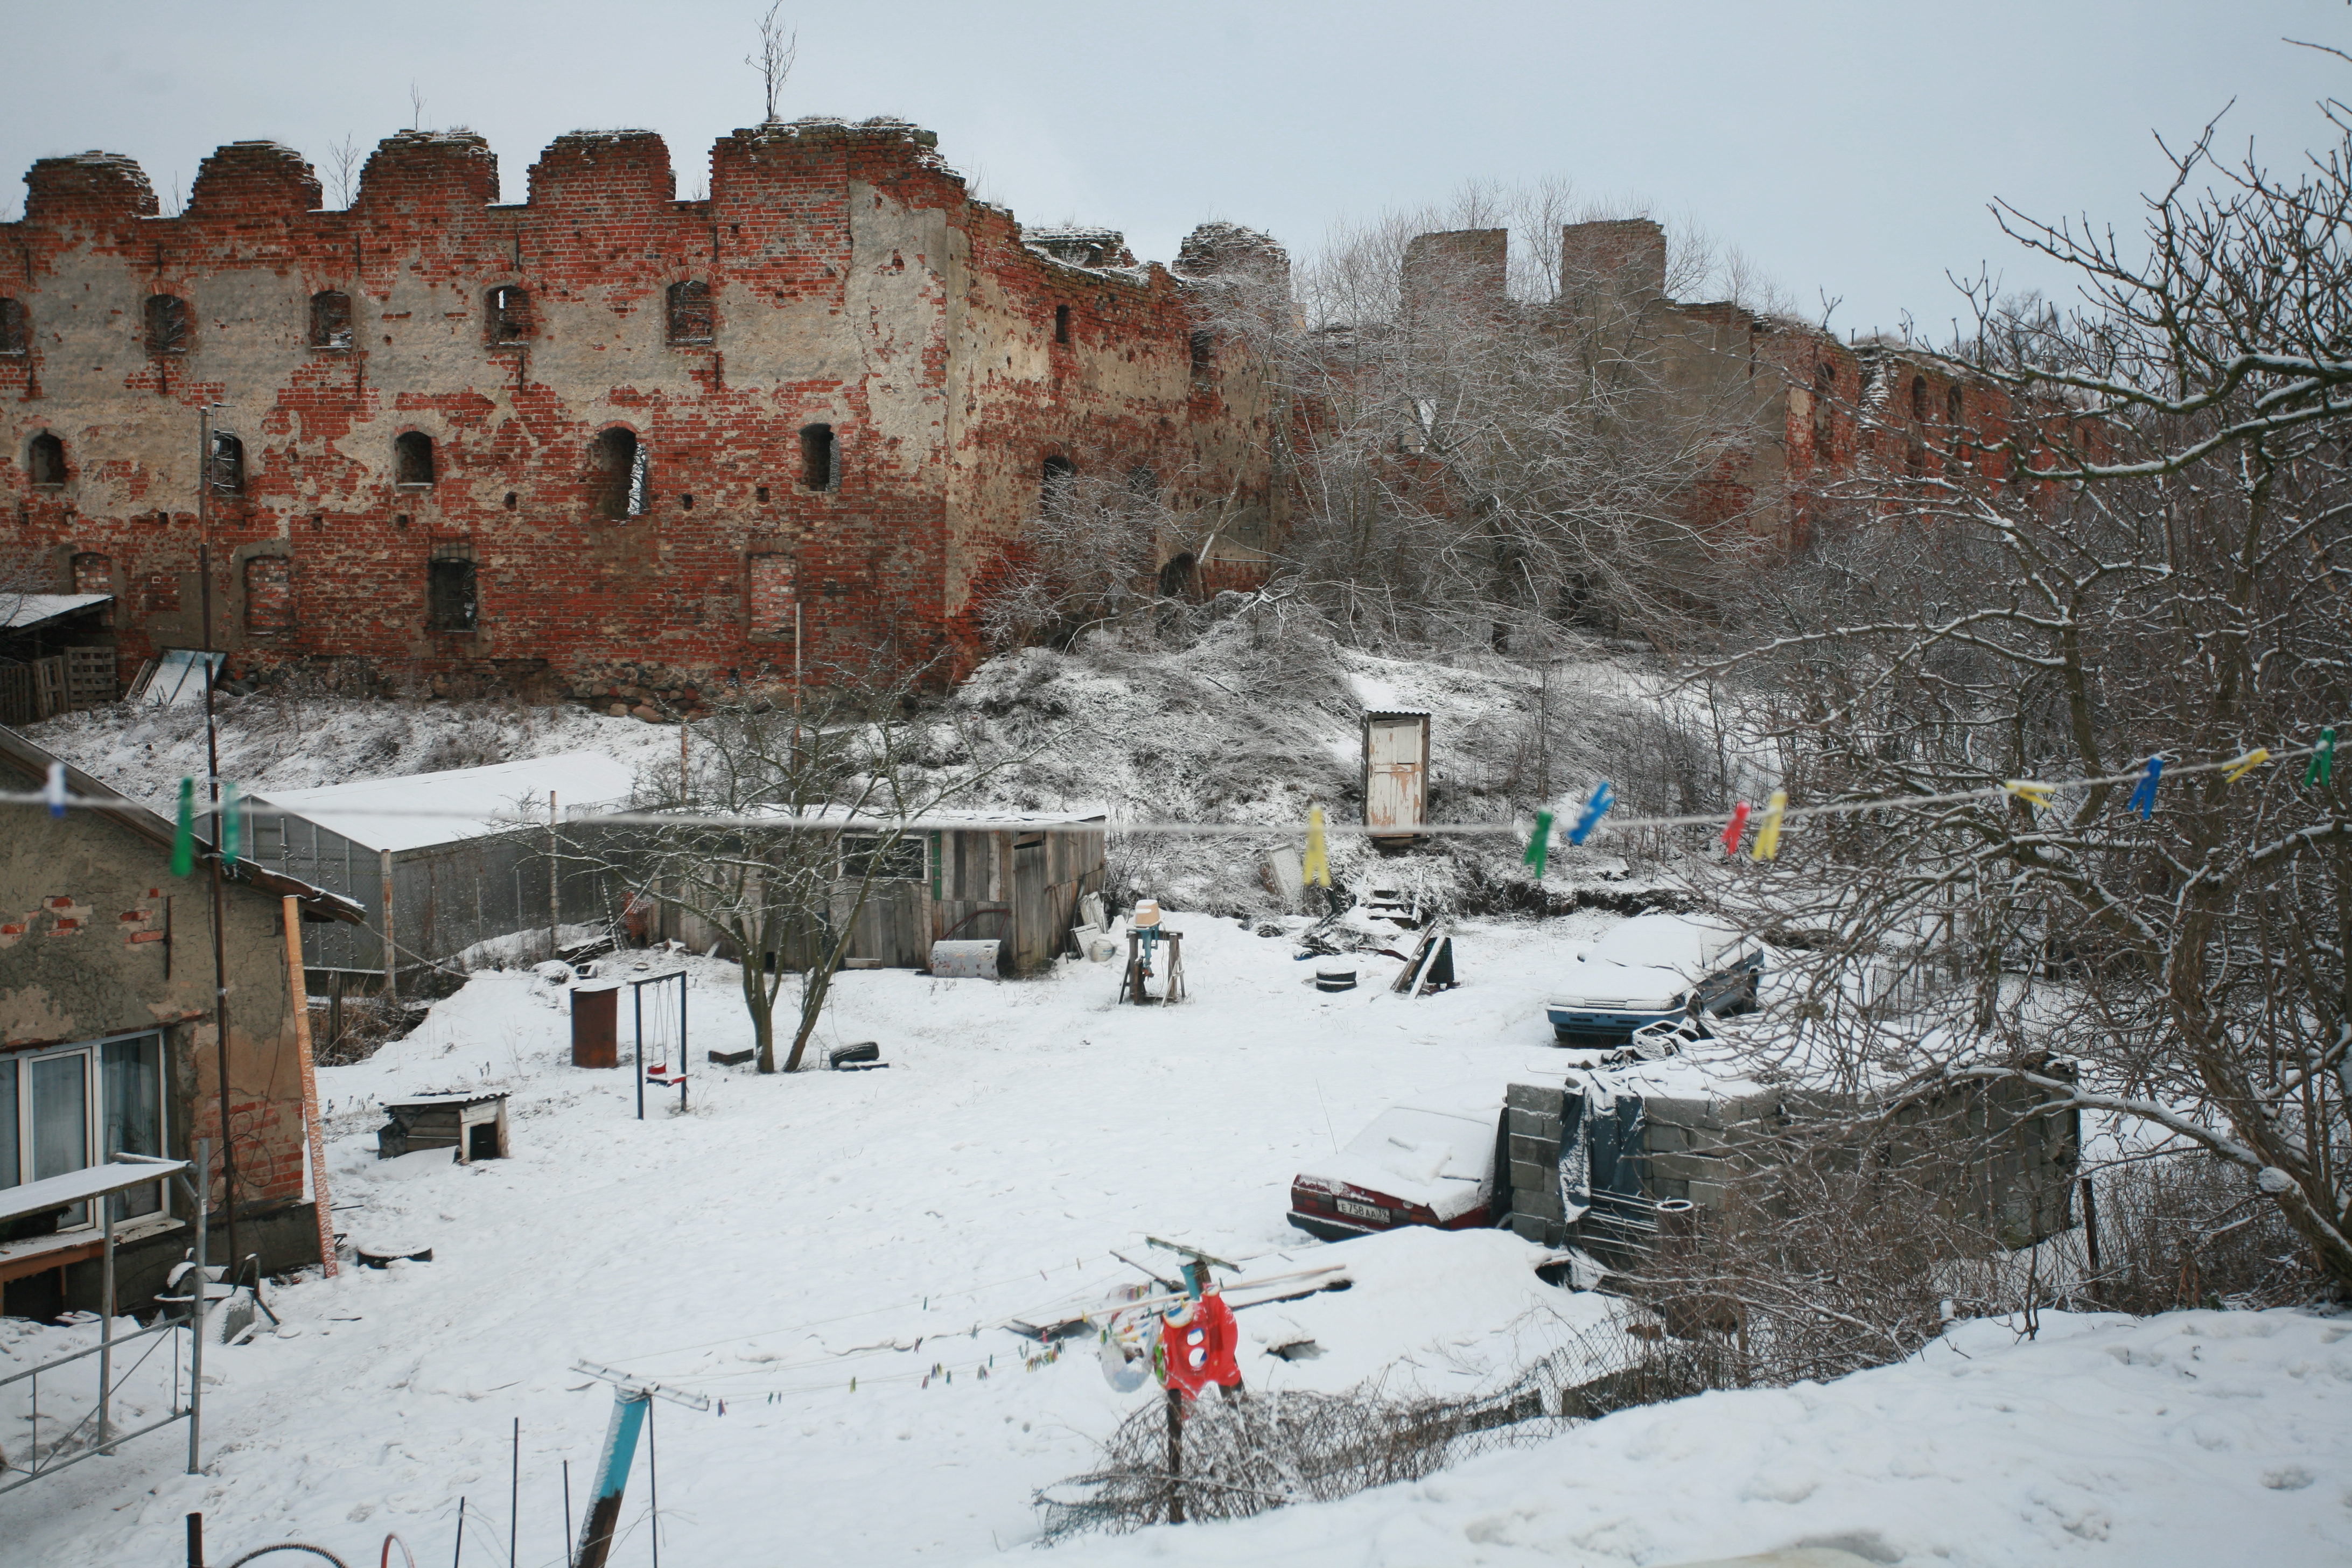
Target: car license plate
[1362, 1211]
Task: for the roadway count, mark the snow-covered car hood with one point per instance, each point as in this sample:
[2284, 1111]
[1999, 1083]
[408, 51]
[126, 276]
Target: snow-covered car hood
[1430, 1158]
[1622, 987]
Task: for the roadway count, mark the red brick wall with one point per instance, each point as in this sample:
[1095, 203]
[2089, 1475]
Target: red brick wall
[852, 283]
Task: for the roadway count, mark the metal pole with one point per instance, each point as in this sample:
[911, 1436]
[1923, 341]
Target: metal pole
[554, 911]
[681, 1039]
[612, 1475]
[391, 954]
[213, 793]
[204, 1184]
[514, 1492]
[638, 1003]
[106, 1332]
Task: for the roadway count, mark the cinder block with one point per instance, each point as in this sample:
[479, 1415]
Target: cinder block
[1532, 1124]
[1674, 1112]
[1659, 1136]
[1537, 1176]
[1547, 1204]
[1705, 1194]
[1534, 1150]
[1533, 1228]
[1686, 1167]
[1543, 1099]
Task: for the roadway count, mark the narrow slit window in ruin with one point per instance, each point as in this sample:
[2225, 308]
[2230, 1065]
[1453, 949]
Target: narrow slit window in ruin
[1956, 406]
[618, 459]
[449, 599]
[1919, 397]
[16, 328]
[1054, 481]
[412, 459]
[44, 461]
[269, 595]
[167, 324]
[330, 320]
[820, 457]
[770, 593]
[1061, 323]
[227, 465]
[509, 315]
[690, 312]
[1204, 346]
[1825, 391]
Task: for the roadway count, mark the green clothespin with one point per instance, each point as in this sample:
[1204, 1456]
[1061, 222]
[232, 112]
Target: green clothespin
[2322, 771]
[1540, 843]
[183, 837]
[231, 826]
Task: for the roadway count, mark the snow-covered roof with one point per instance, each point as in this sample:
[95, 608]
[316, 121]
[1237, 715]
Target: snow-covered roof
[374, 812]
[21, 612]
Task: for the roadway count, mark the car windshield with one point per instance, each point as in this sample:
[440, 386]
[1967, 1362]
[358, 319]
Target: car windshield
[1676, 943]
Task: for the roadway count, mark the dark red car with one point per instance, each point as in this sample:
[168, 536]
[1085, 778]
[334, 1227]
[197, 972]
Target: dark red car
[1408, 1167]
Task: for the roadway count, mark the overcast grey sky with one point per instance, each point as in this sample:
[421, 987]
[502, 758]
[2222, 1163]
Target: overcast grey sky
[1849, 149]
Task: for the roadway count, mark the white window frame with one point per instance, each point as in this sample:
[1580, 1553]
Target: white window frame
[92, 1052]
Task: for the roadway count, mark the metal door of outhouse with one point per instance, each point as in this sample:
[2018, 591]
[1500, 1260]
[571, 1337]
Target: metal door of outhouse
[1396, 773]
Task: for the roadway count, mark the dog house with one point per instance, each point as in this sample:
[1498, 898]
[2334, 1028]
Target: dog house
[474, 1125]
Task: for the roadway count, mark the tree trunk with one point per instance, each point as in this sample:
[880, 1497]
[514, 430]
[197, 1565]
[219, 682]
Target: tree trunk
[761, 1005]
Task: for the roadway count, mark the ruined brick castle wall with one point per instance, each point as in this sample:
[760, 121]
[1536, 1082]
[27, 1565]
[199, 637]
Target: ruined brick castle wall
[602, 428]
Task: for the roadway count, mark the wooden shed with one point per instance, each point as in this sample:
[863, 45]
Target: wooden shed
[1016, 877]
[1396, 773]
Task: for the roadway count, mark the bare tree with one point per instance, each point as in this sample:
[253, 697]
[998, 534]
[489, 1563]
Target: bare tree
[795, 813]
[344, 161]
[2150, 559]
[779, 47]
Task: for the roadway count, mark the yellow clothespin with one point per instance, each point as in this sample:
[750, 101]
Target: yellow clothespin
[1768, 835]
[2241, 766]
[2026, 790]
[1315, 871]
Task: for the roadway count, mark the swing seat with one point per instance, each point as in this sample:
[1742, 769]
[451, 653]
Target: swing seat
[658, 1074]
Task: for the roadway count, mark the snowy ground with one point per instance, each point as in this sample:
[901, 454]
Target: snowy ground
[793, 1233]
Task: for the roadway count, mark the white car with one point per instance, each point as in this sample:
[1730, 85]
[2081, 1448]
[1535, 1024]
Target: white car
[1652, 969]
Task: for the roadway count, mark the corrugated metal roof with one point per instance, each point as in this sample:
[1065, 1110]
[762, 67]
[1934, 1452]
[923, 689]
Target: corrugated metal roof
[375, 812]
[22, 612]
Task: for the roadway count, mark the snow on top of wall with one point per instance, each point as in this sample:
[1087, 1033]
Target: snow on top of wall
[373, 811]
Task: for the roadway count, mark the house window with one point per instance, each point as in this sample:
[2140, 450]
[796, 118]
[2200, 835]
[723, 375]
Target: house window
[1054, 481]
[769, 590]
[16, 328]
[44, 461]
[227, 465]
[167, 324]
[618, 460]
[449, 602]
[412, 459]
[898, 861]
[72, 1107]
[509, 315]
[690, 312]
[819, 453]
[1061, 323]
[269, 595]
[330, 321]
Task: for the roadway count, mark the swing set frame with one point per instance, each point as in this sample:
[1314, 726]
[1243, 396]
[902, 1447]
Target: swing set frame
[675, 1077]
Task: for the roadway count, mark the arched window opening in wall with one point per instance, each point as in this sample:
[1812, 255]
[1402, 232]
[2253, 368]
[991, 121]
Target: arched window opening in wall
[1919, 397]
[1956, 406]
[1061, 323]
[509, 315]
[167, 324]
[618, 460]
[1176, 577]
[228, 474]
[16, 328]
[93, 573]
[330, 320]
[1824, 394]
[690, 312]
[269, 595]
[1054, 481]
[412, 459]
[44, 461]
[820, 457]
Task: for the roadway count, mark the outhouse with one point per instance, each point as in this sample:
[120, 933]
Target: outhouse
[1396, 774]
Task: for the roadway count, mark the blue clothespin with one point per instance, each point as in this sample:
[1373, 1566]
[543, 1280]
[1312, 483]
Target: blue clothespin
[54, 792]
[2143, 798]
[1604, 797]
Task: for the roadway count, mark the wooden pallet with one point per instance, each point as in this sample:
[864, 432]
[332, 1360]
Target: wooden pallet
[90, 677]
